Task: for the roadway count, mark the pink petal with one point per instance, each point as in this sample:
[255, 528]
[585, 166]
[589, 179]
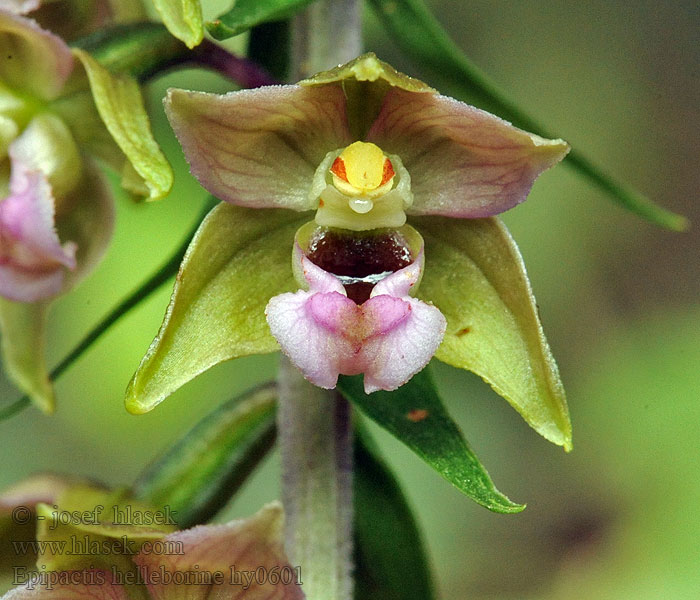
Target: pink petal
[317, 279]
[250, 546]
[464, 162]
[32, 259]
[91, 584]
[260, 147]
[389, 338]
[400, 347]
[400, 284]
[310, 330]
[33, 59]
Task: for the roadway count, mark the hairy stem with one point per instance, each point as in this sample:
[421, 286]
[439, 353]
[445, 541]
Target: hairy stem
[315, 437]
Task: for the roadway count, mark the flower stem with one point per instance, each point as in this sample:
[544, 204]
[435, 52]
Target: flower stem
[315, 436]
[326, 34]
[314, 425]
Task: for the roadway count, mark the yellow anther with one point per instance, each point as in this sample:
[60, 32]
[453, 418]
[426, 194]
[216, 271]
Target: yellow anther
[362, 169]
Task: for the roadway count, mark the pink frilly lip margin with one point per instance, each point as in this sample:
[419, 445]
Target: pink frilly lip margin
[32, 258]
[389, 338]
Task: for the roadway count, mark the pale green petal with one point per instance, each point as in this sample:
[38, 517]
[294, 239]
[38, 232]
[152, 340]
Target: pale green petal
[183, 18]
[47, 145]
[237, 261]
[23, 340]
[119, 102]
[475, 275]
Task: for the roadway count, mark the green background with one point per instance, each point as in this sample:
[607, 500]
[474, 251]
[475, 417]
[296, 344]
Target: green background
[618, 517]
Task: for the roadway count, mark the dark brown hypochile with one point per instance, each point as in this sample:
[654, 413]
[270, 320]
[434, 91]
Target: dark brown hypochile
[360, 259]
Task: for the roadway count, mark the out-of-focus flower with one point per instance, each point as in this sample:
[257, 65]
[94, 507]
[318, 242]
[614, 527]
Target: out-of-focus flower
[71, 19]
[59, 109]
[241, 560]
[363, 146]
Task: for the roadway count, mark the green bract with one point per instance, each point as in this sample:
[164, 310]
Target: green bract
[261, 149]
[183, 18]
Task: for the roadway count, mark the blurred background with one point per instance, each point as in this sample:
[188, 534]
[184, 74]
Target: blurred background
[619, 299]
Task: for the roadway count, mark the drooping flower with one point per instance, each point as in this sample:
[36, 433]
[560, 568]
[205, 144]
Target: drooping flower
[56, 210]
[399, 178]
[419, 153]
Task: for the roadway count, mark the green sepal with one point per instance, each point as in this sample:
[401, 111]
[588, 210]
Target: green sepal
[423, 39]
[475, 275]
[120, 105]
[249, 13]
[390, 561]
[200, 474]
[238, 259]
[183, 18]
[415, 415]
[23, 341]
[365, 82]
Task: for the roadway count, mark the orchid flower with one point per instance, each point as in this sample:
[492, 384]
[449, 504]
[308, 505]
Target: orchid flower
[241, 560]
[56, 209]
[383, 191]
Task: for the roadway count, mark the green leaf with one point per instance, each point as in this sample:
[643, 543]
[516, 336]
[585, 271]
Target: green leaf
[200, 474]
[415, 415]
[120, 105]
[475, 275]
[249, 13]
[423, 39]
[390, 561]
[23, 328]
[237, 261]
[183, 18]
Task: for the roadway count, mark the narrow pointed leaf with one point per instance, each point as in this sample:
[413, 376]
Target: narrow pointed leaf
[200, 474]
[249, 13]
[183, 18]
[23, 336]
[415, 415]
[390, 560]
[476, 277]
[120, 105]
[423, 39]
[236, 262]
